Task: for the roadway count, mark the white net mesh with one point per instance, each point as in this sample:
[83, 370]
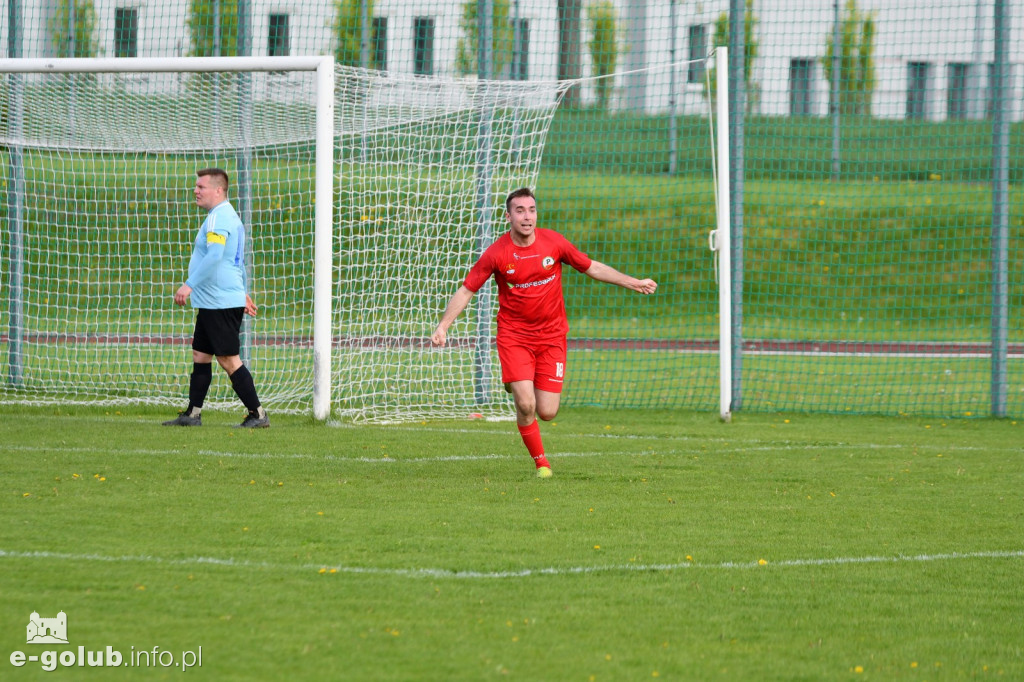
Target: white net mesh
[100, 222]
[417, 156]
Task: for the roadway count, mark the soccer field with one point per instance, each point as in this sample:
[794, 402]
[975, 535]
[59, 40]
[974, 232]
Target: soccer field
[667, 546]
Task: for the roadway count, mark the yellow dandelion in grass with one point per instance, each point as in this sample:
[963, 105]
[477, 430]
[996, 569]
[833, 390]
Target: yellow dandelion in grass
[26, 494]
[322, 571]
[689, 558]
[76, 476]
[334, 570]
[762, 562]
[913, 664]
[319, 513]
[597, 546]
[934, 176]
[858, 669]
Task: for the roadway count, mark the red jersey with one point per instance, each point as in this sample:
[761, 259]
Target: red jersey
[529, 278]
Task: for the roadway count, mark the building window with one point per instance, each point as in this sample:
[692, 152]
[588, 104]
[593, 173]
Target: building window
[126, 32]
[957, 92]
[278, 40]
[801, 75]
[380, 43]
[917, 89]
[698, 51]
[423, 47]
[990, 99]
[520, 67]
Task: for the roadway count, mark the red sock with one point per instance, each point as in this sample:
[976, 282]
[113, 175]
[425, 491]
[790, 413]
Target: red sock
[534, 445]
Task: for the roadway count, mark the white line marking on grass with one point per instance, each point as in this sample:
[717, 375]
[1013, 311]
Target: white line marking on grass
[391, 459]
[521, 573]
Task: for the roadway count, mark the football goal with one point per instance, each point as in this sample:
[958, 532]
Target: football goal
[366, 196]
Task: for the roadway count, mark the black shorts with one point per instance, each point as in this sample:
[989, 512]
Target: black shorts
[217, 331]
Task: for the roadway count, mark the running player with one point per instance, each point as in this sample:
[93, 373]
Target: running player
[527, 265]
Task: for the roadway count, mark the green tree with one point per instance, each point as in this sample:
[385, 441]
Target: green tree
[77, 41]
[856, 61]
[721, 39]
[203, 18]
[466, 49]
[348, 32]
[604, 48]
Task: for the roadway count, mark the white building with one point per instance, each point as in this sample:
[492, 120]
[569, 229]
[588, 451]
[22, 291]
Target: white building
[932, 59]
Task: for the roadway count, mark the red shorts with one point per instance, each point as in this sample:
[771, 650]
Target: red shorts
[541, 362]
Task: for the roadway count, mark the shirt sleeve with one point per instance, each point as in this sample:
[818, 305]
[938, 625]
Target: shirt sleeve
[574, 257]
[480, 272]
[208, 265]
[216, 244]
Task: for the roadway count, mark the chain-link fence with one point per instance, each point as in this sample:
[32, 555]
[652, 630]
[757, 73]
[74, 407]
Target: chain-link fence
[877, 201]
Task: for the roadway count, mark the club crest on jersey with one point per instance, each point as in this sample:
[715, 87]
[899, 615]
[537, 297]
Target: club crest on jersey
[548, 262]
[510, 269]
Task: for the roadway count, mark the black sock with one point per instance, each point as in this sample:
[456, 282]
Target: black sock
[242, 382]
[199, 384]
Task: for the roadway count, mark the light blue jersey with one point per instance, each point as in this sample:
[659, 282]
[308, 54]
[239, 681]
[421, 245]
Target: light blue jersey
[216, 271]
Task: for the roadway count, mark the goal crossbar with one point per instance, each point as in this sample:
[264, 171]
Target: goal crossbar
[165, 64]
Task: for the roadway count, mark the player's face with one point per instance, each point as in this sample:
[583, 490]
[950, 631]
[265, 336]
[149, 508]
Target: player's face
[207, 192]
[522, 219]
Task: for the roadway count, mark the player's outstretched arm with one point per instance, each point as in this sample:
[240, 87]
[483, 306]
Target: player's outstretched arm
[606, 273]
[459, 300]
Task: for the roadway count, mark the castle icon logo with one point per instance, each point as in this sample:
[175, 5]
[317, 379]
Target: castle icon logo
[47, 630]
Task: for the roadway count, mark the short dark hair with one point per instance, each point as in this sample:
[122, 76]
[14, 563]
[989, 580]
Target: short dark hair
[220, 174]
[521, 192]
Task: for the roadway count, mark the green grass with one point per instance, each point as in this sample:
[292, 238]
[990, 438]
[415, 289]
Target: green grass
[783, 147]
[891, 547]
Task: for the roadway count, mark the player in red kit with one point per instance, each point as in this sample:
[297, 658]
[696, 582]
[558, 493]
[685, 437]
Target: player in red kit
[527, 265]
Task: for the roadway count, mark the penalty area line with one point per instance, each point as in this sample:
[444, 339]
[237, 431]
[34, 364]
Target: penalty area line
[440, 573]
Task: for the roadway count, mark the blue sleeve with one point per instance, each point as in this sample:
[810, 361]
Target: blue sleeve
[207, 266]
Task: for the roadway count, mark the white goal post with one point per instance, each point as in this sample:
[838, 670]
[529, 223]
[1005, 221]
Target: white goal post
[166, 137]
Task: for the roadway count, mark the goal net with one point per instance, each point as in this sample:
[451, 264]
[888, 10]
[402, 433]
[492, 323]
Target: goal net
[98, 169]
[424, 167]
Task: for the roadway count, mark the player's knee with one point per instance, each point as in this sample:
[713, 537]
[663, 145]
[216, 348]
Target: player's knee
[527, 408]
[547, 413]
